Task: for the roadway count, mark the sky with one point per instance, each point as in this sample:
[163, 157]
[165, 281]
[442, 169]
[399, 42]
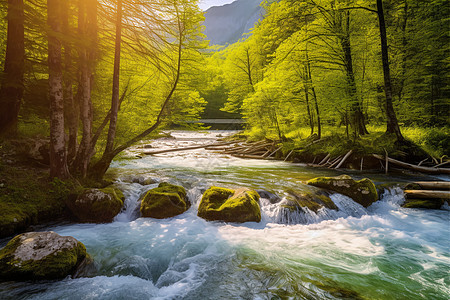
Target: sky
[205, 4]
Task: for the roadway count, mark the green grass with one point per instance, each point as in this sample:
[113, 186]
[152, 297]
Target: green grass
[27, 195]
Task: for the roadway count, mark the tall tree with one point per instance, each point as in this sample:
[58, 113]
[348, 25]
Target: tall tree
[71, 108]
[392, 126]
[87, 32]
[11, 91]
[116, 81]
[58, 160]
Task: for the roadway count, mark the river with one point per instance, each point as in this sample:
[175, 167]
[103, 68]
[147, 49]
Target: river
[382, 252]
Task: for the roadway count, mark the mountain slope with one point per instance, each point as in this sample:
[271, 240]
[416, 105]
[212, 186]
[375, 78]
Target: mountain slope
[227, 23]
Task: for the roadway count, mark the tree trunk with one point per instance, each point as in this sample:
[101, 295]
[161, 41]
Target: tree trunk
[86, 28]
[11, 91]
[98, 170]
[308, 110]
[392, 123]
[58, 162]
[71, 107]
[357, 116]
[316, 104]
[116, 82]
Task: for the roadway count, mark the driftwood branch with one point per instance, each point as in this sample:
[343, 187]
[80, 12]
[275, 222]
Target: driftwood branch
[442, 164]
[288, 155]
[185, 148]
[443, 185]
[325, 159]
[344, 159]
[335, 162]
[421, 194]
[414, 167]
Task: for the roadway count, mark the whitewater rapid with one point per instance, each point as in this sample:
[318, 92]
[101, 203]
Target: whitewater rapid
[380, 252]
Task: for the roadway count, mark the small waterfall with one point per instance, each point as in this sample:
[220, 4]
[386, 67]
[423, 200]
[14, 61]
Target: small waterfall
[132, 193]
[390, 199]
[277, 213]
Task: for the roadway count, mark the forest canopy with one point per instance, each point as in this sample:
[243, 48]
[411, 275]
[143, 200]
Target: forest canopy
[99, 76]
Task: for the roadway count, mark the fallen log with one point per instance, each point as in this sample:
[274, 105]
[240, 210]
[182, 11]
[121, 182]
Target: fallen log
[344, 159]
[252, 156]
[428, 170]
[286, 158]
[255, 148]
[212, 148]
[442, 164]
[441, 185]
[428, 194]
[185, 148]
[274, 152]
[335, 162]
[325, 159]
[422, 161]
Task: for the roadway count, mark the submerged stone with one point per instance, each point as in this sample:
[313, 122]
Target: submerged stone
[41, 255]
[221, 204]
[309, 197]
[424, 203]
[363, 191]
[97, 205]
[165, 201]
[269, 196]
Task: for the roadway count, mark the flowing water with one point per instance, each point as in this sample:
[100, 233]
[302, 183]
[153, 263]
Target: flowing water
[382, 252]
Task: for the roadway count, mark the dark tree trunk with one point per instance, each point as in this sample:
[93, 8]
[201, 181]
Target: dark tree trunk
[392, 122]
[58, 161]
[357, 116]
[316, 104]
[116, 83]
[71, 106]
[308, 109]
[11, 90]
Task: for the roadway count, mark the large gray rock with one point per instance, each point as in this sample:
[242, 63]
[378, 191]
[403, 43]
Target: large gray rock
[97, 205]
[41, 255]
[363, 191]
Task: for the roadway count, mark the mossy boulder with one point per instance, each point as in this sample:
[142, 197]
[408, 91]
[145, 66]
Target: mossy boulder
[308, 197]
[363, 191]
[221, 204]
[424, 203]
[41, 255]
[97, 205]
[165, 201]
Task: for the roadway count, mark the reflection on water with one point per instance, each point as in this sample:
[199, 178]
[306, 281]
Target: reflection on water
[383, 252]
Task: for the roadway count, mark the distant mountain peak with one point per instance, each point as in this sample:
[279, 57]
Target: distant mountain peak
[226, 24]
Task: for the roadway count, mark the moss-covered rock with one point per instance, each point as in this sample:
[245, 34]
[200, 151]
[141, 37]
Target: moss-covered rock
[165, 201]
[221, 204]
[41, 255]
[424, 203]
[363, 191]
[97, 205]
[309, 197]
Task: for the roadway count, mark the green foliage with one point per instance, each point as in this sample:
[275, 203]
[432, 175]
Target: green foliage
[26, 197]
[438, 141]
[293, 69]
